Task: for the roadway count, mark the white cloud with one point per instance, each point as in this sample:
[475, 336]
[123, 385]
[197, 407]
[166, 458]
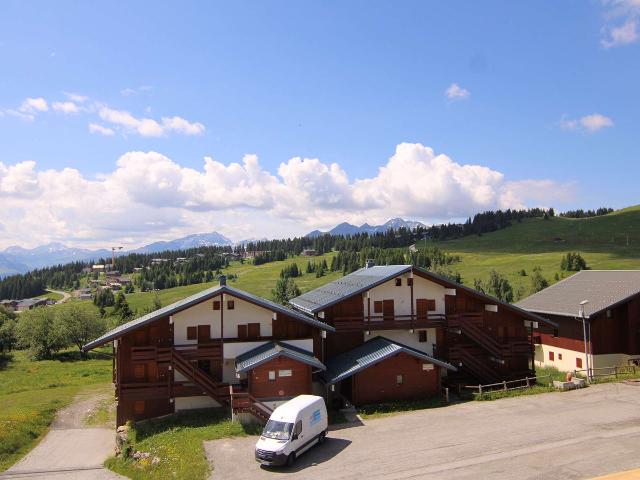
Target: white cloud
[150, 196]
[76, 97]
[102, 130]
[65, 107]
[589, 123]
[148, 127]
[32, 105]
[621, 27]
[456, 92]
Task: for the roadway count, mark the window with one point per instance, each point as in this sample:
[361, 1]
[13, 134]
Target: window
[422, 336]
[398, 282]
[272, 375]
[192, 333]
[139, 371]
[559, 356]
[216, 304]
[377, 306]
[578, 362]
[551, 358]
[138, 407]
[409, 282]
[399, 380]
[285, 373]
[231, 304]
[431, 305]
[297, 430]
[242, 331]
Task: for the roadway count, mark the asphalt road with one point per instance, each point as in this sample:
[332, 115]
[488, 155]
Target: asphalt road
[571, 435]
[70, 450]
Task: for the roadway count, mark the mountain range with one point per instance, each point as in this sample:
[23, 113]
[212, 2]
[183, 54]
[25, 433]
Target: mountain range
[348, 229]
[20, 260]
[17, 259]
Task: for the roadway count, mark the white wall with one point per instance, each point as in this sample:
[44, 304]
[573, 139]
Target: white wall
[204, 314]
[568, 362]
[407, 338]
[401, 296]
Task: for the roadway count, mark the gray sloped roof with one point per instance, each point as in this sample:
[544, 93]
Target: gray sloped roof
[368, 354]
[270, 350]
[602, 288]
[347, 286]
[194, 300]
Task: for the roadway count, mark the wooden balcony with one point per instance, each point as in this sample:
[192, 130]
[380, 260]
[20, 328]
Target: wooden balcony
[191, 352]
[387, 322]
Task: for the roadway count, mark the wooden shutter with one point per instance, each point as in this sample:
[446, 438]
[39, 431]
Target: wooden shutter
[377, 306]
[398, 282]
[140, 371]
[192, 333]
[387, 309]
[204, 333]
[242, 331]
[253, 330]
[216, 304]
[138, 407]
[431, 305]
[422, 307]
[231, 305]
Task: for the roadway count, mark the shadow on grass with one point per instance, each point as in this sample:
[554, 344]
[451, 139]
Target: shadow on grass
[187, 419]
[76, 356]
[5, 360]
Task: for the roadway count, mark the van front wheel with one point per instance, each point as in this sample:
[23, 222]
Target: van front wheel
[291, 458]
[322, 438]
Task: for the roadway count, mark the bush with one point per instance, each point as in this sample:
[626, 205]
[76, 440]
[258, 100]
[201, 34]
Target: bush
[573, 262]
[497, 285]
[7, 331]
[538, 282]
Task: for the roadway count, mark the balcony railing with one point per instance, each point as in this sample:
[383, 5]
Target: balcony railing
[388, 322]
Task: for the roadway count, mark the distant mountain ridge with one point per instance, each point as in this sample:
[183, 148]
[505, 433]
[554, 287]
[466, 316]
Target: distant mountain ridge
[348, 229]
[17, 259]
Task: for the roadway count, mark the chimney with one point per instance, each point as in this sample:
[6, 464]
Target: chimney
[369, 263]
[223, 280]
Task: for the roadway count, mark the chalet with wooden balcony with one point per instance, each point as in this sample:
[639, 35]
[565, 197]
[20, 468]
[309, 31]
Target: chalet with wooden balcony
[610, 334]
[481, 338]
[222, 347]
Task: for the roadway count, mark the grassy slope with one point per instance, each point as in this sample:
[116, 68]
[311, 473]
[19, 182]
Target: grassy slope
[601, 240]
[31, 392]
[258, 280]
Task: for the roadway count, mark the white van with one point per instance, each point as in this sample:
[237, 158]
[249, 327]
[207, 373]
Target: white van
[293, 428]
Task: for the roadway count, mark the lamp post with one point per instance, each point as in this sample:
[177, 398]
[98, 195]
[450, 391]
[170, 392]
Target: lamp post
[584, 333]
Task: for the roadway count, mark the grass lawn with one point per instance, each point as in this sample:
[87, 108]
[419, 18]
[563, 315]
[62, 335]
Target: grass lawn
[177, 441]
[32, 392]
[392, 408]
[51, 295]
[104, 413]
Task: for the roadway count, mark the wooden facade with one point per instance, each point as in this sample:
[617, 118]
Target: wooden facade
[399, 378]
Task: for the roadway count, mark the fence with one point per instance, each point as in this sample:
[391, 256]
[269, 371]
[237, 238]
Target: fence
[614, 371]
[508, 385]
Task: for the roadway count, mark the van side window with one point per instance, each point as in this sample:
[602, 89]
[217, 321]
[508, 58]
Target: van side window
[298, 428]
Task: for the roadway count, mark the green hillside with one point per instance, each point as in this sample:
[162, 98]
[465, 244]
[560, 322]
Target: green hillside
[607, 242]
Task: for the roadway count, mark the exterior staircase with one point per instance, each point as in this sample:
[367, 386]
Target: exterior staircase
[217, 390]
[244, 402]
[473, 361]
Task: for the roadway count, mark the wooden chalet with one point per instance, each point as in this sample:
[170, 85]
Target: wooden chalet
[468, 336]
[611, 320]
[219, 348]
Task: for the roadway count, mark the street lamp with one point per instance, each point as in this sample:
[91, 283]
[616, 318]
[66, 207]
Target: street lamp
[584, 333]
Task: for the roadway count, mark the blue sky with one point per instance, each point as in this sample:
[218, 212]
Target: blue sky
[546, 92]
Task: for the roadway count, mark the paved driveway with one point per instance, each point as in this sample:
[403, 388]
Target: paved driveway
[70, 450]
[572, 435]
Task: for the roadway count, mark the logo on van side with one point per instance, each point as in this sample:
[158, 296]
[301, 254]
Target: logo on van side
[315, 418]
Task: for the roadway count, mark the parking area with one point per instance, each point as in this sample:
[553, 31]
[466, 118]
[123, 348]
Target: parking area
[573, 435]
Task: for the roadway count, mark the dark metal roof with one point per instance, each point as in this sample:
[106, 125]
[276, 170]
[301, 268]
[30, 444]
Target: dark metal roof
[602, 288]
[347, 286]
[271, 350]
[194, 300]
[370, 353]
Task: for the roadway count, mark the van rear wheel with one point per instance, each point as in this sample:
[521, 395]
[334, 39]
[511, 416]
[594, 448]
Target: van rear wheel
[291, 458]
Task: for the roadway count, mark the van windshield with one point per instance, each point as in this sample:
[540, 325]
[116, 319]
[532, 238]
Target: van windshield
[277, 430]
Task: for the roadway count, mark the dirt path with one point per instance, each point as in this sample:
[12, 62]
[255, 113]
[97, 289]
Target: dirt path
[65, 295]
[70, 450]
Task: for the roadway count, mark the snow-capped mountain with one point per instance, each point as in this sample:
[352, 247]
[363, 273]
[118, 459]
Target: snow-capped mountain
[348, 229]
[213, 239]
